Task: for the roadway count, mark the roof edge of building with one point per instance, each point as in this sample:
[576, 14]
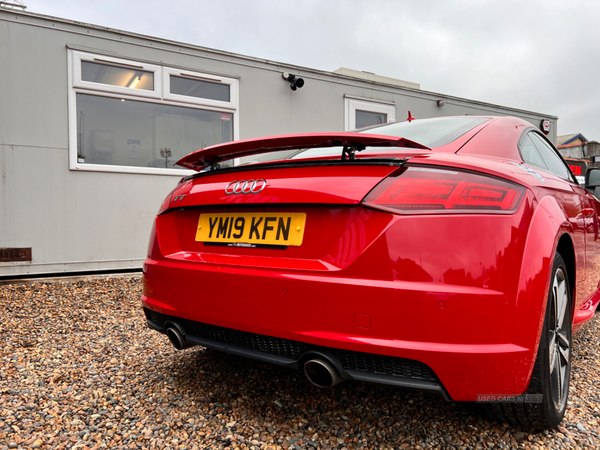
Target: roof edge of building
[277, 64]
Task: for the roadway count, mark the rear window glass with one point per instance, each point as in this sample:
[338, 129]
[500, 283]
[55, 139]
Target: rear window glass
[429, 132]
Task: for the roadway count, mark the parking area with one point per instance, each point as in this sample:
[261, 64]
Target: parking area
[79, 369]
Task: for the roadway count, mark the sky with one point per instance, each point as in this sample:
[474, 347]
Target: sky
[541, 56]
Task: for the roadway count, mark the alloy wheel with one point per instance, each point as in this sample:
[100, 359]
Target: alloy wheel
[559, 340]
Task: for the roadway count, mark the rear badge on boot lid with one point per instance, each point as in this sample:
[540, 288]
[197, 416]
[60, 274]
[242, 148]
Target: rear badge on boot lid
[245, 187]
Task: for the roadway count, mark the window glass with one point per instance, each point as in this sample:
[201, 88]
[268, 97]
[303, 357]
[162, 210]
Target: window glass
[368, 118]
[199, 88]
[114, 131]
[132, 117]
[429, 132]
[117, 76]
[530, 154]
[360, 113]
[553, 161]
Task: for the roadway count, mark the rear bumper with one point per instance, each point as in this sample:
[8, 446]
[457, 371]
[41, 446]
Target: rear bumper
[351, 365]
[461, 334]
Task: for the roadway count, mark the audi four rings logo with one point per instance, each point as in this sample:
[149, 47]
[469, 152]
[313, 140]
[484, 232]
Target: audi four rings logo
[245, 187]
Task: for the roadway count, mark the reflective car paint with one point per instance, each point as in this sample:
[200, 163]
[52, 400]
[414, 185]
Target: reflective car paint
[347, 185]
[204, 157]
[463, 293]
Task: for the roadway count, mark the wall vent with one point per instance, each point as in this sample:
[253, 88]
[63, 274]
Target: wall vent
[15, 254]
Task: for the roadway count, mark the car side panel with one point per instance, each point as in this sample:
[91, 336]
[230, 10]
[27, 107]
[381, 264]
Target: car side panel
[547, 224]
[591, 219]
[563, 201]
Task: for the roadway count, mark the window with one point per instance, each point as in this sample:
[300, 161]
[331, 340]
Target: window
[368, 118]
[554, 162]
[185, 86]
[117, 76]
[360, 113]
[537, 152]
[126, 116]
[433, 132]
[531, 154]
[429, 132]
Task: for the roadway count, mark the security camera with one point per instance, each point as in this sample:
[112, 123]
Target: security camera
[295, 83]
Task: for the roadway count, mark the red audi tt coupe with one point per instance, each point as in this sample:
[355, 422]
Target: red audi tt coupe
[455, 255]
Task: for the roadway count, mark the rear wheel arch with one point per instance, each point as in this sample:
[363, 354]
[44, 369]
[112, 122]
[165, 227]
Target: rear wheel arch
[567, 251]
[545, 401]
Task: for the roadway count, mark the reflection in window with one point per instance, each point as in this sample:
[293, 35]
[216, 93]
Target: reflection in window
[117, 76]
[550, 156]
[368, 118]
[115, 131]
[531, 155]
[199, 88]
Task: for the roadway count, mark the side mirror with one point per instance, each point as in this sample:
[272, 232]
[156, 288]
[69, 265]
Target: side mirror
[592, 182]
[592, 178]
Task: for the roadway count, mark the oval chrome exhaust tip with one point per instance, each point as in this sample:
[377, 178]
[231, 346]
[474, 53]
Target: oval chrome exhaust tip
[321, 373]
[177, 337]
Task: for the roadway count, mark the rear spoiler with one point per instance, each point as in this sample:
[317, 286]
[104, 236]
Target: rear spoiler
[352, 142]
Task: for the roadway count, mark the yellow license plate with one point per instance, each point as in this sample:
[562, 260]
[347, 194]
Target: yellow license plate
[260, 228]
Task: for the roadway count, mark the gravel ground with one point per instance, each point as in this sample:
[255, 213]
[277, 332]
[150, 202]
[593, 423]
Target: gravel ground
[80, 369]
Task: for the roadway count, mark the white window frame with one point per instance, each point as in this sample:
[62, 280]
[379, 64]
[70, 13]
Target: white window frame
[78, 57]
[352, 104]
[231, 82]
[159, 95]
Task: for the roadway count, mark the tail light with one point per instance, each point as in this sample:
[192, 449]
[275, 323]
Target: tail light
[419, 190]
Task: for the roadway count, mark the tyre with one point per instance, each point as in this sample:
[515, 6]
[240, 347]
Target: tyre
[545, 401]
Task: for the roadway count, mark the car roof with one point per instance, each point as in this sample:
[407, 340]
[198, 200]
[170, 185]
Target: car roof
[498, 137]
